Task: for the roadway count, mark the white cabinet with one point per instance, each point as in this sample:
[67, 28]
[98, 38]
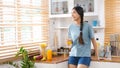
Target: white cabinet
[62, 8]
[62, 65]
[95, 64]
[57, 65]
[60, 21]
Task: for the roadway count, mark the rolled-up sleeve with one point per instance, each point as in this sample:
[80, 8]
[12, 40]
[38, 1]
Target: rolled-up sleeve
[91, 32]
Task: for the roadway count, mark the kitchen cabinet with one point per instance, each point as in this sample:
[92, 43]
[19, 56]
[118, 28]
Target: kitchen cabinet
[95, 64]
[62, 8]
[56, 65]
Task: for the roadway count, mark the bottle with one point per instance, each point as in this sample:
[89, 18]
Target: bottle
[49, 54]
[95, 23]
[55, 41]
[108, 51]
[98, 47]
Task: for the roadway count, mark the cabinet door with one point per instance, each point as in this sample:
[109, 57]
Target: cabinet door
[88, 5]
[62, 65]
[47, 65]
[59, 6]
[95, 64]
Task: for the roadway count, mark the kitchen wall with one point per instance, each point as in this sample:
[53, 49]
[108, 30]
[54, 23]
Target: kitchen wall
[56, 25]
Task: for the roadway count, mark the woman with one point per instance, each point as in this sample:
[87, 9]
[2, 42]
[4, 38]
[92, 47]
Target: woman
[81, 34]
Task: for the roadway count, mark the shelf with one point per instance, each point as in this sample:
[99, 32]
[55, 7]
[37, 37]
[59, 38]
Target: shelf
[97, 27]
[69, 15]
[90, 14]
[62, 27]
[60, 16]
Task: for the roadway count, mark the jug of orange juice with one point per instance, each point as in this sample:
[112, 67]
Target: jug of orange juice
[49, 54]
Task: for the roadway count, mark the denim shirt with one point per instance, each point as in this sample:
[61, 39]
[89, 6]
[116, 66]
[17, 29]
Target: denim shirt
[81, 50]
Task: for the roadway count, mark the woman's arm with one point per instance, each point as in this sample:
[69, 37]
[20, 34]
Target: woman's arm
[95, 46]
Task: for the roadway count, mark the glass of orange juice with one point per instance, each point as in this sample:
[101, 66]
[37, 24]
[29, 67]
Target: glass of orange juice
[69, 43]
[43, 49]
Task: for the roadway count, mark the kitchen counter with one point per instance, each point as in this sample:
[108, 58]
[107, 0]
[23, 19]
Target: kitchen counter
[60, 59]
[114, 59]
[55, 60]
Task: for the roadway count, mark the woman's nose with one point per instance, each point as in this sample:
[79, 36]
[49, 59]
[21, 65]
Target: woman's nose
[72, 15]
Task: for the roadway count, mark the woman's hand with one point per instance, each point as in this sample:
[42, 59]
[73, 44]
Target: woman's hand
[96, 55]
[95, 47]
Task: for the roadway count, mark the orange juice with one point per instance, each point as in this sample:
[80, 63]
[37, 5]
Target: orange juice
[43, 49]
[69, 42]
[49, 55]
[43, 45]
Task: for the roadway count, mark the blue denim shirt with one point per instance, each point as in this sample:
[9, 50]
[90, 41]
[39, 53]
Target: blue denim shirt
[81, 50]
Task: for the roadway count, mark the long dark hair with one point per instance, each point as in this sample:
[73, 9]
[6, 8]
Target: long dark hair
[80, 11]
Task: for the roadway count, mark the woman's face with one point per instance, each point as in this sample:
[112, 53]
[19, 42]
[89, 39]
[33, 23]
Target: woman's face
[75, 15]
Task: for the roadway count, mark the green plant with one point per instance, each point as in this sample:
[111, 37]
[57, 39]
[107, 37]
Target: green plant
[13, 64]
[26, 62]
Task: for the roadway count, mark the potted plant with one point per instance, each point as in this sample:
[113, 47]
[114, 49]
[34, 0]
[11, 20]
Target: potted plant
[25, 62]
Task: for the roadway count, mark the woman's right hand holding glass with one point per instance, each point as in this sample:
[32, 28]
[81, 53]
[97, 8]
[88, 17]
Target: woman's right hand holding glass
[69, 42]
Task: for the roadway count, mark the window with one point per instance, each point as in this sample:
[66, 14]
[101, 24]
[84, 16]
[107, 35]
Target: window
[22, 23]
[112, 18]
